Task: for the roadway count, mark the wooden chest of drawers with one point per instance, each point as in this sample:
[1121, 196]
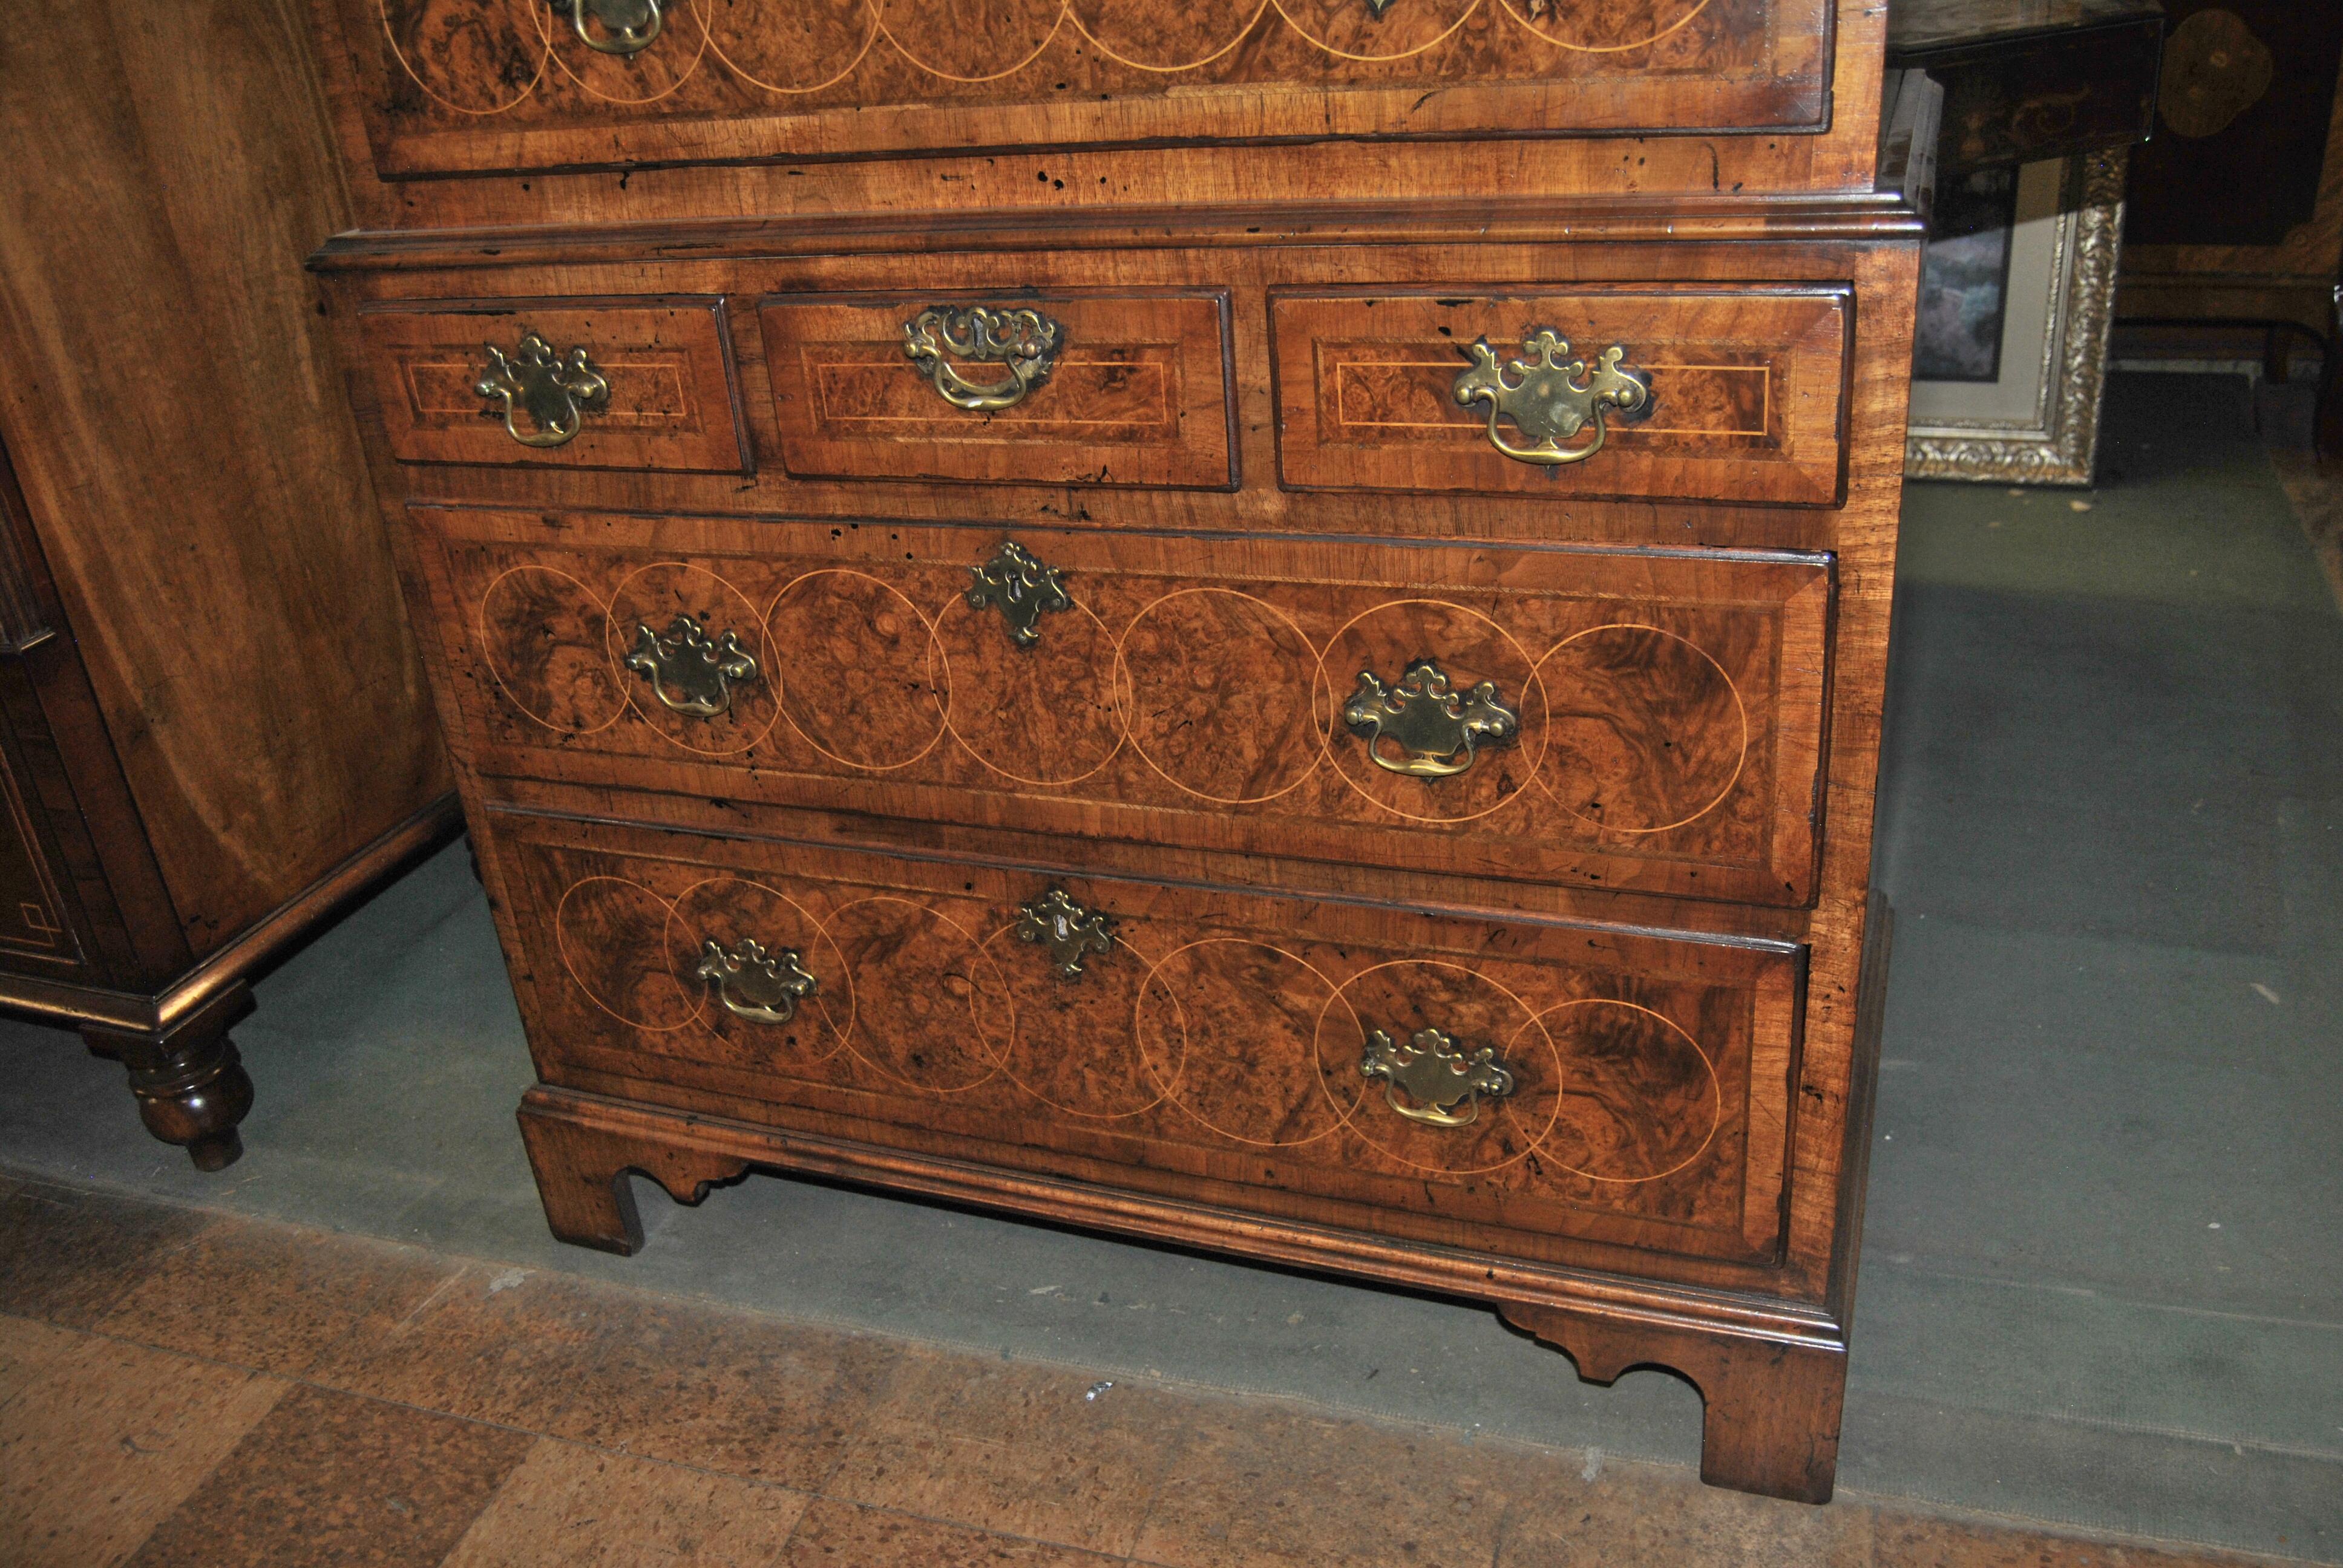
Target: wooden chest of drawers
[1034, 604]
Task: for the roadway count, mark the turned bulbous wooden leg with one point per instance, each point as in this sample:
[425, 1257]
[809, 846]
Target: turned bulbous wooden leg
[190, 1083]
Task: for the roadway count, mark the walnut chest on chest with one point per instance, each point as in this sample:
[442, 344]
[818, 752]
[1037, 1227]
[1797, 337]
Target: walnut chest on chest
[1259, 624]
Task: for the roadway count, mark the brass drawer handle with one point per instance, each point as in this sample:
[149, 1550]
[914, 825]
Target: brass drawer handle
[1021, 588]
[1554, 398]
[1375, 8]
[1436, 1076]
[764, 987]
[628, 26]
[703, 669]
[1024, 342]
[1438, 732]
[1068, 929]
[557, 390]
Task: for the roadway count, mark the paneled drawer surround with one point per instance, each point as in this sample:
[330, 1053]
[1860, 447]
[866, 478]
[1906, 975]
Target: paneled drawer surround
[1747, 390]
[503, 85]
[1132, 389]
[638, 383]
[1206, 1035]
[1666, 708]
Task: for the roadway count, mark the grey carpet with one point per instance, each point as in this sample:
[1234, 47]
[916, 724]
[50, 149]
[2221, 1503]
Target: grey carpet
[2103, 1277]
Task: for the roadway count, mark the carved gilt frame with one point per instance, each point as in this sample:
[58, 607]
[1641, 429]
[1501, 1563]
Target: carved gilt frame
[2052, 436]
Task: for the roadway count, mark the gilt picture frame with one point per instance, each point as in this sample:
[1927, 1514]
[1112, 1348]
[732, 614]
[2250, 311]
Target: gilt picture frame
[2035, 420]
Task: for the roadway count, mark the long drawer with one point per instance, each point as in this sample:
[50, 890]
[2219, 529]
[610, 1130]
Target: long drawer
[1505, 1085]
[1625, 719]
[456, 85]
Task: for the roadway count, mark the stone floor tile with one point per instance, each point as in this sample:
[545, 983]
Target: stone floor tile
[846, 1535]
[268, 1295]
[1015, 1448]
[1635, 1513]
[332, 1481]
[28, 1348]
[490, 1343]
[68, 1254]
[106, 1441]
[573, 1507]
[1907, 1541]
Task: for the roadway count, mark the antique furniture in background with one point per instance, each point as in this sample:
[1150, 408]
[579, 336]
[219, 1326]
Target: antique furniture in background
[2235, 208]
[2043, 99]
[213, 727]
[1257, 625]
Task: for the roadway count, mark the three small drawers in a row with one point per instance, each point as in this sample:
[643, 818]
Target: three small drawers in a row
[1717, 392]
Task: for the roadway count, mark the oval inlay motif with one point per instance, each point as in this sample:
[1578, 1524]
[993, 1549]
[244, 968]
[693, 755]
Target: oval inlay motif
[1405, 995]
[1647, 730]
[856, 669]
[1219, 695]
[541, 637]
[1608, 27]
[729, 908]
[1038, 715]
[1640, 1097]
[475, 57]
[1073, 1045]
[612, 934]
[1349, 30]
[654, 597]
[969, 40]
[1229, 1029]
[1147, 35]
[1469, 648]
[792, 46]
[930, 1009]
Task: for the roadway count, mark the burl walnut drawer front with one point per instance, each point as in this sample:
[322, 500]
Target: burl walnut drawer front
[1496, 1084]
[1719, 393]
[1630, 718]
[643, 383]
[1098, 389]
[505, 84]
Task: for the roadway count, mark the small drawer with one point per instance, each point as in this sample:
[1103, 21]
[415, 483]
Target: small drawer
[1456, 391]
[1261, 1052]
[1652, 720]
[1068, 388]
[644, 384]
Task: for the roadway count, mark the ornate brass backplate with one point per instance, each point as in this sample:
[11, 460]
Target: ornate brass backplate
[686, 660]
[1021, 588]
[558, 391]
[1553, 396]
[1023, 341]
[1435, 1076]
[753, 983]
[1438, 731]
[628, 26]
[1067, 929]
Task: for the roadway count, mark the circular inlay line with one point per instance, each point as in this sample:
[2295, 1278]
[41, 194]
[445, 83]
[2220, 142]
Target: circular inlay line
[878, 15]
[1126, 694]
[934, 653]
[1171, 1089]
[952, 684]
[561, 946]
[1377, 59]
[975, 1022]
[709, 32]
[1678, 25]
[611, 641]
[1502, 1106]
[1716, 1091]
[487, 656]
[1009, 1071]
[591, 91]
[1336, 727]
[544, 38]
[1104, 48]
[821, 932]
[1740, 709]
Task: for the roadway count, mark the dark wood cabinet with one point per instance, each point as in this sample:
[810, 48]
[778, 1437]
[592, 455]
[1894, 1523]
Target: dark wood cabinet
[213, 725]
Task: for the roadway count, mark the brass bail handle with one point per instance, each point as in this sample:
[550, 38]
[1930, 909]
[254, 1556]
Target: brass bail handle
[1024, 342]
[1552, 394]
[628, 26]
[760, 986]
[1429, 1080]
[1439, 732]
[691, 671]
[556, 391]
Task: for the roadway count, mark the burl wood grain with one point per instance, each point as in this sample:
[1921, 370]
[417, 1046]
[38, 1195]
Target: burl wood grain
[1138, 393]
[1748, 391]
[458, 85]
[668, 364]
[1669, 706]
[1221, 1035]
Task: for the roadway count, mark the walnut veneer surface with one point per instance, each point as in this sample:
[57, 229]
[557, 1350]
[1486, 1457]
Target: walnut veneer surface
[794, 782]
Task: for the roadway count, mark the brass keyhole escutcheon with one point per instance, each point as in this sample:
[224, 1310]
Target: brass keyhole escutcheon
[1021, 588]
[1429, 1080]
[1550, 396]
[1438, 731]
[556, 391]
[1069, 930]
